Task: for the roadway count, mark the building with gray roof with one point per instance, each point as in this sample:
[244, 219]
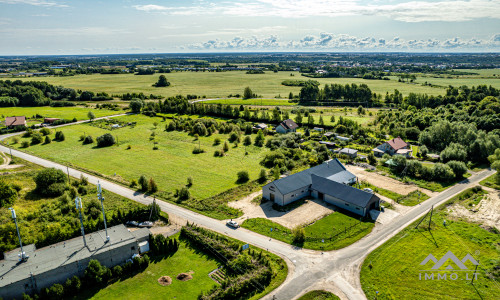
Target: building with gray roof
[57, 262]
[329, 181]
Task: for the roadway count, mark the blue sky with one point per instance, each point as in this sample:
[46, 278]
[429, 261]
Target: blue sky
[31, 27]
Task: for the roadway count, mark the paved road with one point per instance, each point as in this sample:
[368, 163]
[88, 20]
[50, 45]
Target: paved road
[336, 270]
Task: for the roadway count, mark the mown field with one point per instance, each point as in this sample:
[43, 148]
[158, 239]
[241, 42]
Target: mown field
[221, 84]
[169, 166]
[335, 231]
[393, 269]
[78, 112]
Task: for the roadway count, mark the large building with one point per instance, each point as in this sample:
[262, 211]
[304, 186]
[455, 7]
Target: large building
[329, 181]
[56, 263]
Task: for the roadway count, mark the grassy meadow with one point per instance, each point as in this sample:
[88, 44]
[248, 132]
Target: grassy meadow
[335, 223]
[78, 112]
[218, 84]
[170, 165]
[491, 182]
[397, 261]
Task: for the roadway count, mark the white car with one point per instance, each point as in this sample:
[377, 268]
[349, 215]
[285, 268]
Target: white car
[232, 224]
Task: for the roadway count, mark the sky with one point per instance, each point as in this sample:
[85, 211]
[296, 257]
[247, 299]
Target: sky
[65, 27]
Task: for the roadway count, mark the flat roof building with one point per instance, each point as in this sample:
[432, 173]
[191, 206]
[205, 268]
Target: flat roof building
[57, 262]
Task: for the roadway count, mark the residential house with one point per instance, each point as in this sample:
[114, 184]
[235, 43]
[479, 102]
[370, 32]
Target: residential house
[329, 181]
[392, 147]
[50, 120]
[352, 153]
[260, 126]
[287, 126]
[14, 122]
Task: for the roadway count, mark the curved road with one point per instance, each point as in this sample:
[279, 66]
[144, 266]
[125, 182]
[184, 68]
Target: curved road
[335, 270]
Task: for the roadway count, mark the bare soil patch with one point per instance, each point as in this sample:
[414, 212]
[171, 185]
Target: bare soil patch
[165, 280]
[5, 162]
[486, 212]
[185, 276]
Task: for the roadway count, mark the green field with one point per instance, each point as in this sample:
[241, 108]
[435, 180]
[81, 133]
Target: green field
[323, 229]
[218, 84]
[491, 182]
[170, 165]
[255, 102]
[80, 113]
[319, 295]
[145, 284]
[393, 269]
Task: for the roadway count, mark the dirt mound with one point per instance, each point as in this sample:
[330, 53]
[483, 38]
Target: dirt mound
[165, 280]
[184, 277]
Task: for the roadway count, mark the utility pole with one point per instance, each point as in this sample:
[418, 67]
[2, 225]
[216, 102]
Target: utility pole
[67, 170]
[101, 198]
[22, 255]
[79, 206]
[430, 219]
[11, 158]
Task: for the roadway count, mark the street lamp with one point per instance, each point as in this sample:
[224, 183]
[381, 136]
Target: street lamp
[101, 198]
[79, 207]
[23, 256]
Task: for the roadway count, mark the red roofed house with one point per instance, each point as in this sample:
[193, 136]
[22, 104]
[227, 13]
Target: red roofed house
[287, 126]
[392, 147]
[12, 122]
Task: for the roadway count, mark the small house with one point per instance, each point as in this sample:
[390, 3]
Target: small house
[342, 138]
[319, 129]
[392, 147]
[327, 144]
[15, 122]
[352, 153]
[260, 126]
[50, 120]
[287, 126]
[328, 134]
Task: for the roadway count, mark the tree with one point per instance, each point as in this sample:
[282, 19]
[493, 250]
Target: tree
[259, 139]
[59, 136]
[243, 177]
[36, 138]
[48, 140]
[442, 172]
[495, 164]
[184, 193]
[332, 119]
[189, 181]
[371, 159]
[361, 110]
[310, 120]
[45, 131]
[162, 82]
[299, 235]
[423, 151]
[276, 172]
[459, 168]
[7, 194]
[298, 118]
[225, 147]
[96, 273]
[454, 151]
[247, 93]
[262, 176]
[143, 182]
[321, 122]
[136, 105]
[88, 140]
[50, 182]
[91, 116]
[247, 141]
[152, 186]
[105, 140]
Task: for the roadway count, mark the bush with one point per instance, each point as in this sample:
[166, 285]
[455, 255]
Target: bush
[459, 168]
[299, 235]
[184, 193]
[45, 131]
[442, 172]
[152, 186]
[133, 183]
[59, 136]
[143, 182]
[25, 144]
[106, 140]
[454, 151]
[218, 153]
[136, 105]
[189, 181]
[262, 176]
[247, 141]
[243, 177]
[88, 140]
[48, 140]
[198, 150]
[50, 182]
[216, 141]
[259, 139]
[36, 138]
[7, 194]
[225, 147]
[96, 273]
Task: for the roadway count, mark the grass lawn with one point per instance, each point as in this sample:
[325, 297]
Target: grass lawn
[145, 284]
[319, 295]
[44, 219]
[393, 269]
[78, 112]
[218, 84]
[413, 198]
[170, 165]
[333, 229]
[491, 182]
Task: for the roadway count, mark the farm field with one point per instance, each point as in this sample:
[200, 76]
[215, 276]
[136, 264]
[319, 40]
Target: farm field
[338, 230]
[145, 284]
[255, 102]
[78, 112]
[398, 260]
[169, 166]
[218, 84]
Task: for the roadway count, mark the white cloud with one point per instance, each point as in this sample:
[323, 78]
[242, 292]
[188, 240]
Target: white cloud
[35, 3]
[90, 31]
[343, 42]
[414, 11]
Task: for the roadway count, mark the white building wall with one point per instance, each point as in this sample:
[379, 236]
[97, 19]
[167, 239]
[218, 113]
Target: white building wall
[296, 195]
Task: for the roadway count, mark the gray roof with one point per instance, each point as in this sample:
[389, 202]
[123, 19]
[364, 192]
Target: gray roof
[329, 169]
[289, 124]
[341, 191]
[348, 151]
[63, 253]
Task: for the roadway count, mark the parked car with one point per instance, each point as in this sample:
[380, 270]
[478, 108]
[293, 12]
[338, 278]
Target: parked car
[132, 223]
[232, 223]
[146, 224]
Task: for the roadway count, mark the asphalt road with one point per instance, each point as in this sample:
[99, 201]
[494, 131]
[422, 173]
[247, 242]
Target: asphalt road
[335, 270]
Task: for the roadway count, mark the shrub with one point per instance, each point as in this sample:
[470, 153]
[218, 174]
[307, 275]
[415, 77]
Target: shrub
[218, 153]
[59, 136]
[36, 138]
[72, 285]
[225, 147]
[88, 140]
[216, 141]
[7, 194]
[15, 140]
[299, 235]
[189, 181]
[184, 193]
[371, 159]
[454, 151]
[50, 182]
[105, 140]
[442, 172]
[129, 147]
[143, 182]
[25, 144]
[48, 140]
[45, 131]
[459, 168]
[198, 150]
[152, 186]
[96, 273]
[259, 139]
[262, 176]
[242, 177]
[133, 183]
[247, 141]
